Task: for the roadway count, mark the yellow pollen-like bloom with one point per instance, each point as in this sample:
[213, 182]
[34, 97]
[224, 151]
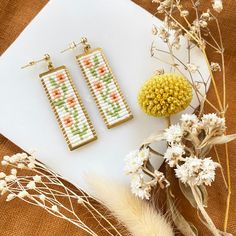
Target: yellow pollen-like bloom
[165, 95]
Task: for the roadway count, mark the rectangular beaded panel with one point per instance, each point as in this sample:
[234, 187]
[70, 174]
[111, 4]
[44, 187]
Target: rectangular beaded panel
[68, 107]
[104, 88]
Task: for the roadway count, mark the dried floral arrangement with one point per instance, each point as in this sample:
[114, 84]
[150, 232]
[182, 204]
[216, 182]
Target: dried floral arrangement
[190, 141]
[188, 144]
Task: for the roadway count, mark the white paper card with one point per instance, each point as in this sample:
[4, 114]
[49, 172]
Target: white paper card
[123, 30]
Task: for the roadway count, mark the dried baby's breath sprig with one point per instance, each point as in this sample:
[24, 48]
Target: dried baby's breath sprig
[44, 188]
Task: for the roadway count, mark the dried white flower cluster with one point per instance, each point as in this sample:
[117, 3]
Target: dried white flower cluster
[174, 155]
[190, 164]
[135, 159]
[196, 171]
[135, 163]
[188, 144]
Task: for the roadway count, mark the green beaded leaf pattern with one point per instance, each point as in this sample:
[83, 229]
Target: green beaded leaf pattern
[103, 86]
[68, 108]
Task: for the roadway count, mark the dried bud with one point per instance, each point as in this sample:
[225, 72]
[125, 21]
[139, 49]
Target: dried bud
[215, 66]
[192, 67]
[217, 5]
[154, 30]
[10, 197]
[203, 23]
[159, 72]
[184, 13]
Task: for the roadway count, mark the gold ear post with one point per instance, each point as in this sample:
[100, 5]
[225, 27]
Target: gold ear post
[74, 45]
[46, 58]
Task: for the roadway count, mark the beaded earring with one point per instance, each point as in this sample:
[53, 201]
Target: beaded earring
[102, 84]
[67, 105]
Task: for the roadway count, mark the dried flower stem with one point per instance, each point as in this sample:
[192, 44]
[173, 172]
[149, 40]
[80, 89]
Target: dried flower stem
[39, 190]
[201, 208]
[221, 169]
[169, 8]
[229, 188]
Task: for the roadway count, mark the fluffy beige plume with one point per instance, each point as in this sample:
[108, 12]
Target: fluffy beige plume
[140, 218]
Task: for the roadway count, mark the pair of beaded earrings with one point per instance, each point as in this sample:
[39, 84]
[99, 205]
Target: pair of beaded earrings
[66, 103]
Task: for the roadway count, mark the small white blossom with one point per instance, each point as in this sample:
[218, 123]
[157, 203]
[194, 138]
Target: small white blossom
[189, 119]
[166, 3]
[42, 197]
[174, 154]
[3, 184]
[190, 123]
[31, 165]
[134, 160]
[37, 178]
[205, 16]
[6, 158]
[23, 194]
[139, 188]
[10, 197]
[13, 171]
[144, 154]
[211, 122]
[217, 5]
[80, 200]
[196, 171]
[203, 23]
[173, 134]
[3, 191]
[164, 35]
[160, 9]
[55, 208]
[192, 67]
[193, 30]
[184, 13]
[22, 156]
[2, 175]
[215, 66]
[31, 185]
[4, 163]
[20, 165]
[15, 158]
[10, 178]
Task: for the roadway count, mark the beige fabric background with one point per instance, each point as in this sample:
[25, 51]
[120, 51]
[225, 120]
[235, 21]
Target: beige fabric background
[18, 218]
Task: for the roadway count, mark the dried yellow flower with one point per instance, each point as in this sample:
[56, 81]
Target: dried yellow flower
[164, 95]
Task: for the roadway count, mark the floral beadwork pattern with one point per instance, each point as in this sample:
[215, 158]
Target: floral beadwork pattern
[104, 88]
[71, 116]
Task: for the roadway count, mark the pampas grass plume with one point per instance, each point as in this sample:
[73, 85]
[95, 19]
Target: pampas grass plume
[140, 218]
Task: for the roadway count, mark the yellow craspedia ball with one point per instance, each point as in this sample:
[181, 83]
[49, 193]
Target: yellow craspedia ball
[165, 94]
